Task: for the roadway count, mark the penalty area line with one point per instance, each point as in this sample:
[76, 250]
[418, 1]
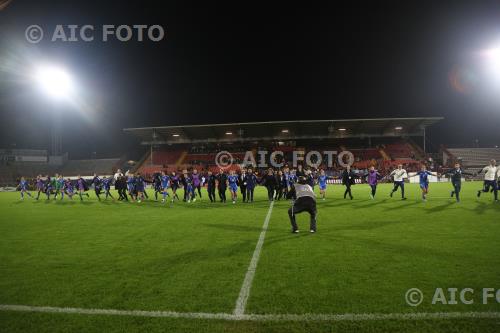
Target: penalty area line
[257, 317]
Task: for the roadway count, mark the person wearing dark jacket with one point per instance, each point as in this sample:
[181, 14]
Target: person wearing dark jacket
[251, 181]
[456, 180]
[279, 185]
[211, 186]
[300, 171]
[269, 181]
[348, 179]
[121, 187]
[243, 184]
[305, 202]
[222, 185]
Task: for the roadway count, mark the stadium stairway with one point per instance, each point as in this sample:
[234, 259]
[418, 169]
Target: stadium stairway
[384, 154]
[181, 158]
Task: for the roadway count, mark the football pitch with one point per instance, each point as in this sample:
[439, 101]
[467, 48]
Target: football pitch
[71, 266]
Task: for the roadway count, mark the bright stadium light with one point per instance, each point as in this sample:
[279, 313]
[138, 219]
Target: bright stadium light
[54, 81]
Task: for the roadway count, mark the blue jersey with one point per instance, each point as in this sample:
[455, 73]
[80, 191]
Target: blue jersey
[292, 179]
[233, 180]
[164, 181]
[68, 186]
[106, 182]
[424, 177]
[322, 181]
[23, 185]
[140, 184]
[60, 183]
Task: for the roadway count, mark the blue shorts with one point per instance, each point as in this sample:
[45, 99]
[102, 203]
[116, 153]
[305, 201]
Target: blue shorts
[233, 188]
[424, 185]
[322, 187]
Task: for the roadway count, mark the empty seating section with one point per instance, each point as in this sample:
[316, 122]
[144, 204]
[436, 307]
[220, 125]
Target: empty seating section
[471, 157]
[366, 154]
[89, 167]
[399, 150]
[166, 157]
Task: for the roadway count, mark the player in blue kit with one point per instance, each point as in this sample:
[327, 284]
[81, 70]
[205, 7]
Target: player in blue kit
[423, 175]
[232, 180]
[322, 182]
[164, 182]
[23, 187]
[131, 186]
[106, 185]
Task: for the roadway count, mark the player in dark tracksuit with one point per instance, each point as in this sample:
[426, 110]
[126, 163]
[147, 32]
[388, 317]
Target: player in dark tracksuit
[243, 184]
[279, 185]
[305, 202]
[222, 185]
[348, 179]
[157, 185]
[211, 179]
[211, 186]
[47, 187]
[121, 186]
[456, 180]
[97, 186]
[269, 181]
[251, 181]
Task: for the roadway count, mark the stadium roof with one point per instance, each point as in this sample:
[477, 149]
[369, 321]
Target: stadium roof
[283, 130]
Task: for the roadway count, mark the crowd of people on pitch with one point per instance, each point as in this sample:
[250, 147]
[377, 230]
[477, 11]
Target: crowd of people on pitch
[278, 183]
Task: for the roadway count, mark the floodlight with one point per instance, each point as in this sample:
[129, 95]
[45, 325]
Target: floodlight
[54, 81]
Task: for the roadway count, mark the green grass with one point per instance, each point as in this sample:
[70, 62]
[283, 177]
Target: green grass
[193, 258]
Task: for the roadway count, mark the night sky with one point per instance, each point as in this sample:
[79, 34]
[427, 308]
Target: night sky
[249, 61]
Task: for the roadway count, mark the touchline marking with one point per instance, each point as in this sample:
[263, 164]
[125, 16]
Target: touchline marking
[241, 302]
[257, 317]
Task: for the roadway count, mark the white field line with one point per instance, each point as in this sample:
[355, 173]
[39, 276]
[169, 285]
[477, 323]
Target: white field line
[241, 302]
[257, 317]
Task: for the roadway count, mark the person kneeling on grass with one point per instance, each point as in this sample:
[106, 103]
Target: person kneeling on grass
[305, 202]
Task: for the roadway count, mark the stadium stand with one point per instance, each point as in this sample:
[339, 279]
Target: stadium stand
[10, 172]
[89, 167]
[471, 157]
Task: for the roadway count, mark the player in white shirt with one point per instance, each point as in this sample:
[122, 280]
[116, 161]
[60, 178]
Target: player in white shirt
[491, 173]
[399, 175]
